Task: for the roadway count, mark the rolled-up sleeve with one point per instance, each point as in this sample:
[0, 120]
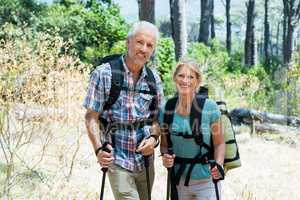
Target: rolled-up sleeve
[215, 112]
[98, 88]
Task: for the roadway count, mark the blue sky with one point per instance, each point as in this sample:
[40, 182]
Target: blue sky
[129, 9]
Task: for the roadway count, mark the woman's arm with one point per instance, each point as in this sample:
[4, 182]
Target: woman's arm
[218, 142]
[168, 160]
[163, 143]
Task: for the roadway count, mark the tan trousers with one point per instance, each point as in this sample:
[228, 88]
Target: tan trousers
[130, 185]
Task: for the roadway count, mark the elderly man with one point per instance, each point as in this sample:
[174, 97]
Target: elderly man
[132, 114]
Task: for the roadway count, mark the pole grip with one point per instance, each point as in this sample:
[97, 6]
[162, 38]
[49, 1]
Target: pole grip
[170, 152]
[104, 148]
[213, 163]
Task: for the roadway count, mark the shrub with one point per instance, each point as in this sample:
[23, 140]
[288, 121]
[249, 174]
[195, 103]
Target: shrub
[33, 67]
[165, 56]
[94, 28]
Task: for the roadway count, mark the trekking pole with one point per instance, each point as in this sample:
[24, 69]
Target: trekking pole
[104, 170]
[216, 188]
[146, 161]
[170, 152]
[213, 163]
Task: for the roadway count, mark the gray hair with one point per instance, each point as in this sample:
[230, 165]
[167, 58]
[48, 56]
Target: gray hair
[137, 26]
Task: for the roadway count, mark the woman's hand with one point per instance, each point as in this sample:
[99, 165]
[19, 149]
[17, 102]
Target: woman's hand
[168, 160]
[215, 173]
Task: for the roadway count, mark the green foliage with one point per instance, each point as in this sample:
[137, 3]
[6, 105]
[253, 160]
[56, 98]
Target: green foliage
[19, 12]
[295, 71]
[119, 47]
[235, 62]
[213, 59]
[294, 84]
[164, 27]
[165, 56]
[94, 28]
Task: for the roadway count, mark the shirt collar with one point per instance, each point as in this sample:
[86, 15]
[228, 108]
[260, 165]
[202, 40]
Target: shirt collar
[144, 71]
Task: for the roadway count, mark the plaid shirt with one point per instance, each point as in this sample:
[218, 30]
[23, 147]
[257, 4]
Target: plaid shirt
[129, 107]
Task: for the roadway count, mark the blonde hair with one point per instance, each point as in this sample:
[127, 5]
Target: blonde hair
[192, 65]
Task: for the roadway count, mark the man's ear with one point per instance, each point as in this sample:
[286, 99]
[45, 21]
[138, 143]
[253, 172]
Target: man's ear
[127, 42]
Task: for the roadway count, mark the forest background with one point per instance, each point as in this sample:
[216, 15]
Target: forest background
[249, 54]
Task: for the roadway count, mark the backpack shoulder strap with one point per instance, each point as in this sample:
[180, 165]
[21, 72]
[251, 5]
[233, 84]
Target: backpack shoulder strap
[196, 118]
[107, 59]
[168, 117]
[153, 91]
[151, 81]
[117, 78]
[203, 91]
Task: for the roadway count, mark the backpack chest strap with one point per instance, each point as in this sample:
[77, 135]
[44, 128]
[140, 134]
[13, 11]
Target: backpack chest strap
[185, 135]
[199, 159]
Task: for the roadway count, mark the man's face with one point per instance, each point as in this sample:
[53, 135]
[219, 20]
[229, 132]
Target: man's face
[141, 46]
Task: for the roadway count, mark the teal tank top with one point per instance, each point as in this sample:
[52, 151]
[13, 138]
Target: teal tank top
[188, 148]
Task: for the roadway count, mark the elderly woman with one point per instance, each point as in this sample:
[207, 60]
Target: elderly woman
[190, 142]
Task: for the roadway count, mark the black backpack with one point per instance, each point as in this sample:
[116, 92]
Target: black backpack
[117, 79]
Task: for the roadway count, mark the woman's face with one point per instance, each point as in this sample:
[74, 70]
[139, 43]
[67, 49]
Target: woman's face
[186, 81]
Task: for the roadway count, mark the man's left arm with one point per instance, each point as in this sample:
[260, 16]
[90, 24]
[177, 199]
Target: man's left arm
[147, 146]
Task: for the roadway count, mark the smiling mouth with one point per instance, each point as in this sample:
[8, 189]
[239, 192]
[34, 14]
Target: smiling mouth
[184, 86]
[140, 55]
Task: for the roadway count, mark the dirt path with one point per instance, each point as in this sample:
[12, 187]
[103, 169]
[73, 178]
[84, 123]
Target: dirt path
[269, 171]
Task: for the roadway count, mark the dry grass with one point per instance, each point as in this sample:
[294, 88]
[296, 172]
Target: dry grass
[50, 157]
[269, 169]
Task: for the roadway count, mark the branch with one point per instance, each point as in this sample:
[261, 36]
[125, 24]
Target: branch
[247, 116]
[74, 156]
[3, 150]
[31, 169]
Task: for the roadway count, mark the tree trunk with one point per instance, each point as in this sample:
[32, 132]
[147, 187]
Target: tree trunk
[228, 27]
[284, 27]
[147, 10]
[291, 11]
[179, 30]
[212, 20]
[267, 35]
[277, 39]
[246, 116]
[270, 46]
[205, 21]
[289, 42]
[250, 38]
[291, 17]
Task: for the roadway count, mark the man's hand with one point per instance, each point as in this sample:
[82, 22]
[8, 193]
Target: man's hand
[146, 147]
[104, 158]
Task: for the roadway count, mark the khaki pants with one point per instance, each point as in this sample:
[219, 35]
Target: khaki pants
[130, 185]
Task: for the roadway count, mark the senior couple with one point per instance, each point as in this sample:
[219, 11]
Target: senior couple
[124, 123]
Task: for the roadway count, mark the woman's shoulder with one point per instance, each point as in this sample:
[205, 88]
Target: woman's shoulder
[210, 104]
